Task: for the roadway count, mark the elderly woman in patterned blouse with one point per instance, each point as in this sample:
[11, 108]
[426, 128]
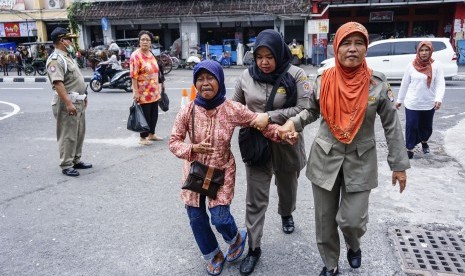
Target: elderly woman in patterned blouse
[215, 120]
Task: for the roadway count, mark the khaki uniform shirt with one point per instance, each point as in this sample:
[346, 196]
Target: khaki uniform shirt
[61, 67]
[255, 95]
[358, 159]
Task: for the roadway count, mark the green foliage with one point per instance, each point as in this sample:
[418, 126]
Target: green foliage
[76, 7]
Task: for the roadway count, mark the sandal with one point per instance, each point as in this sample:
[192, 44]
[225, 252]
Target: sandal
[154, 138]
[145, 142]
[216, 266]
[239, 247]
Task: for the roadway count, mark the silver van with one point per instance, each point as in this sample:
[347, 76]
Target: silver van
[391, 56]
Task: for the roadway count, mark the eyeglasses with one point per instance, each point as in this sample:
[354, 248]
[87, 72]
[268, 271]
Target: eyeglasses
[146, 39]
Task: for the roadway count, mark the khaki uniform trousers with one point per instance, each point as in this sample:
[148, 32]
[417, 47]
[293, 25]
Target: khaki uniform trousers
[70, 133]
[336, 208]
[258, 196]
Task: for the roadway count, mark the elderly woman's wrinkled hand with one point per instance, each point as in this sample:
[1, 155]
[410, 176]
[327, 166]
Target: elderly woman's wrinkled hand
[203, 147]
[401, 177]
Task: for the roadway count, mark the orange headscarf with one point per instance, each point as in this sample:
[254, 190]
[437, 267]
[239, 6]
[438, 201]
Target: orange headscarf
[344, 91]
[424, 66]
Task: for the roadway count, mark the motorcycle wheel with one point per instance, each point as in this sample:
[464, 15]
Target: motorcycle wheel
[41, 70]
[167, 64]
[95, 85]
[29, 70]
[128, 85]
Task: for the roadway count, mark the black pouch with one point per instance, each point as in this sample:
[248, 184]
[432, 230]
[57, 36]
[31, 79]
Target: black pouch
[204, 179]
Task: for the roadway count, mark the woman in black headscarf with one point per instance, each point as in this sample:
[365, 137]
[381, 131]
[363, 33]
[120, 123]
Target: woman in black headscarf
[272, 63]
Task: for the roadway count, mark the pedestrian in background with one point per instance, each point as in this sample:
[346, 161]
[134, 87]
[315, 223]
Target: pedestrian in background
[215, 119]
[342, 164]
[421, 91]
[115, 48]
[272, 58]
[69, 102]
[145, 88]
[113, 65]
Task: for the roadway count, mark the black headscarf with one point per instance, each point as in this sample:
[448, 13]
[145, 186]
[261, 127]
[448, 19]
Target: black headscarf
[282, 55]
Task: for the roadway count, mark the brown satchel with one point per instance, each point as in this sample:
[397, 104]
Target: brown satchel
[203, 179]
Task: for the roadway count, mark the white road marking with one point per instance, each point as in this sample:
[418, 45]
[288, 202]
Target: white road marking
[22, 88]
[130, 141]
[16, 109]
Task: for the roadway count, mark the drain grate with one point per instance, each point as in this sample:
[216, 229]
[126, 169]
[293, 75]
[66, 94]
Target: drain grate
[429, 252]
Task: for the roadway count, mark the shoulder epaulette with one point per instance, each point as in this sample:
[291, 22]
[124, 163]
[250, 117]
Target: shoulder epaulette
[55, 56]
[380, 76]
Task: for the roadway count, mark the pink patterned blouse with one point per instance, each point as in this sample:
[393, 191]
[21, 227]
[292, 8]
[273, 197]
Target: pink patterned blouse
[220, 124]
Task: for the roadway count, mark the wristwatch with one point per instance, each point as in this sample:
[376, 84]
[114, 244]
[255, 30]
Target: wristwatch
[269, 118]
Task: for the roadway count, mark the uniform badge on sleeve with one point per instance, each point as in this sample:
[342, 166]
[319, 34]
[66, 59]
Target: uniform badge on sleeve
[307, 88]
[52, 69]
[389, 93]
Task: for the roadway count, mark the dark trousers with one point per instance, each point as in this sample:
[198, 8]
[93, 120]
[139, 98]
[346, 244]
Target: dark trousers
[418, 126]
[151, 116]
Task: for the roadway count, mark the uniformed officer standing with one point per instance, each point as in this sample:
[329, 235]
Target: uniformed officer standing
[342, 164]
[69, 102]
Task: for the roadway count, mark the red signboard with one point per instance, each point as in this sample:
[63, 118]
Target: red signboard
[12, 30]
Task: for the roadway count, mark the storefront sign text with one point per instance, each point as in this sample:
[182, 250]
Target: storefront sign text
[12, 30]
[382, 16]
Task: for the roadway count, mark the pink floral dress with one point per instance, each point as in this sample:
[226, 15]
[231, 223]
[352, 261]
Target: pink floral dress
[220, 124]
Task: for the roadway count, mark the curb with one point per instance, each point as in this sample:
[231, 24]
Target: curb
[88, 79]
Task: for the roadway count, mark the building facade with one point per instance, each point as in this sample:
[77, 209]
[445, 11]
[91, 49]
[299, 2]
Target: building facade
[195, 23]
[24, 21]
[310, 22]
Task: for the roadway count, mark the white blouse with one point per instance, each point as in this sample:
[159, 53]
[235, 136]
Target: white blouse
[414, 92]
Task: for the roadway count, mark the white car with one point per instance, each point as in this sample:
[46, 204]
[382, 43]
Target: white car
[391, 56]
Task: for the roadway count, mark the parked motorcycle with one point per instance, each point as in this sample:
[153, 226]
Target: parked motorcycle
[120, 80]
[192, 60]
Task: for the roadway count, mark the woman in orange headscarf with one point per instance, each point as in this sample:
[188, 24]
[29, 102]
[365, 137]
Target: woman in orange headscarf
[422, 90]
[342, 165]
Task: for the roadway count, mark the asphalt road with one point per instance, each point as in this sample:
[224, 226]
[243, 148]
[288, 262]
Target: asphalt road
[125, 215]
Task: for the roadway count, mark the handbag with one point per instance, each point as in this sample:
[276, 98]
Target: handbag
[136, 119]
[164, 101]
[254, 146]
[203, 179]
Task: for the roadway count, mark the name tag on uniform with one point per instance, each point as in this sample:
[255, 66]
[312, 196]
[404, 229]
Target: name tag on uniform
[281, 90]
[371, 99]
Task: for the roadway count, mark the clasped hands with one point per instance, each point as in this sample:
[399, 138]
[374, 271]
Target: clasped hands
[286, 132]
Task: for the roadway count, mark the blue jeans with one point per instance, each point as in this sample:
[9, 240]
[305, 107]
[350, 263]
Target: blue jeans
[221, 218]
